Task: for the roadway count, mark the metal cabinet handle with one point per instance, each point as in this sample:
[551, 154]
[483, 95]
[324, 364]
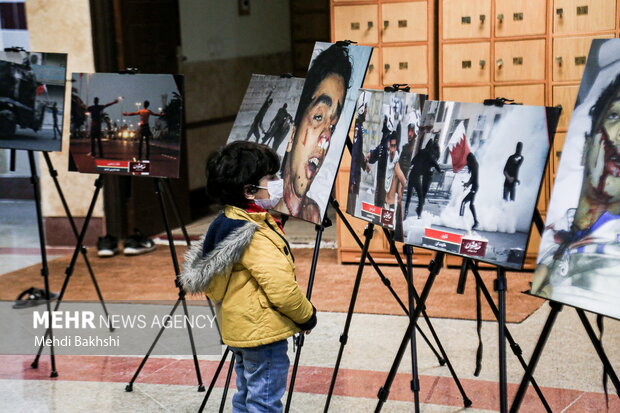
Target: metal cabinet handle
[386, 24]
[386, 67]
[559, 12]
[482, 18]
[371, 67]
[500, 17]
[580, 60]
[465, 64]
[582, 10]
[500, 63]
[370, 25]
[483, 63]
[465, 20]
[559, 60]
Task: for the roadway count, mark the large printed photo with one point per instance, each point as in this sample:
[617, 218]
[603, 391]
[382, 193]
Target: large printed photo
[128, 124]
[267, 110]
[474, 179]
[579, 257]
[386, 127]
[321, 125]
[32, 98]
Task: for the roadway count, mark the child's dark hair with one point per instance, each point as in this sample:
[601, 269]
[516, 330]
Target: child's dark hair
[235, 166]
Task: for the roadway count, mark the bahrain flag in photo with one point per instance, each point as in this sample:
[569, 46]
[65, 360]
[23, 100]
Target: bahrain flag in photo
[459, 148]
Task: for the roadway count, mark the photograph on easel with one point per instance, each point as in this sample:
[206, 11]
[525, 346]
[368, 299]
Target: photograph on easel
[386, 126]
[475, 177]
[321, 125]
[32, 97]
[127, 124]
[579, 253]
[267, 110]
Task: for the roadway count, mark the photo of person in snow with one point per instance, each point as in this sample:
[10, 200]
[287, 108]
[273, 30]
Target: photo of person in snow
[466, 152]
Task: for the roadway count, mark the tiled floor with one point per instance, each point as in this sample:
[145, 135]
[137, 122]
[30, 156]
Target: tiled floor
[569, 371]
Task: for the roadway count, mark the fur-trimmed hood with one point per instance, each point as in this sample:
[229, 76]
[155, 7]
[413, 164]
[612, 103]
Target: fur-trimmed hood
[216, 252]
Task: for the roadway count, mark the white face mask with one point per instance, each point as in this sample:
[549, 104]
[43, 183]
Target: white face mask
[276, 190]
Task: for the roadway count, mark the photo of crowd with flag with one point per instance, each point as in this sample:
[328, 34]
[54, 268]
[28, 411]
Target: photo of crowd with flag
[474, 179]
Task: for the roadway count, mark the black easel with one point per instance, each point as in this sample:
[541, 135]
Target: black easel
[69, 271]
[159, 191]
[434, 267]
[556, 307]
[469, 265]
[299, 339]
[34, 179]
[415, 380]
[368, 233]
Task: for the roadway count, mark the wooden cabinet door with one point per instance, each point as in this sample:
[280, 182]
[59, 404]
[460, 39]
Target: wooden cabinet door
[569, 56]
[520, 60]
[407, 64]
[565, 96]
[582, 16]
[372, 78]
[356, 23]
[466, 63]
[404, 22]
[520, 17]
[526, 94]
[475, 94]
[465, 19]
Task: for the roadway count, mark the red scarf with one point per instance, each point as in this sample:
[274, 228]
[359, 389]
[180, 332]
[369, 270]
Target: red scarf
[252, 207]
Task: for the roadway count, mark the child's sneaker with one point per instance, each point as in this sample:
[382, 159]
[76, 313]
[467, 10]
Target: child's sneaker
[107, 246]
[137, 244]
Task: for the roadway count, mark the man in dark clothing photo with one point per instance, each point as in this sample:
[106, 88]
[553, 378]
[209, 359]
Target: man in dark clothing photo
[379, 156]
[96, 118]
[278, 128]
[421, 174]
[472, 165]
[511, 172]
[257, 124]
[358, 162]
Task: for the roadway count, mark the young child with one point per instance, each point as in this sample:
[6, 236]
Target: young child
[245, 265]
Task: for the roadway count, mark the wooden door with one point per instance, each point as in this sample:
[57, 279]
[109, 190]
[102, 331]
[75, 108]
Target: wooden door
[404, 22]
[520, 17]
[526, 94]
[148, 38]
[583, 16]
[565, 96]
[520, 60]
[405, 64]
[475, 94]
[356, 23]
[569, 56]
[466, 63]
[466, 19]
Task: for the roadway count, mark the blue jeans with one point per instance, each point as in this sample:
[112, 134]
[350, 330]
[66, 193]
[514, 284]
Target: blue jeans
[261, 377]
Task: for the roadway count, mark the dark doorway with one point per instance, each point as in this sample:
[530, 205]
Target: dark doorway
[142, 34]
